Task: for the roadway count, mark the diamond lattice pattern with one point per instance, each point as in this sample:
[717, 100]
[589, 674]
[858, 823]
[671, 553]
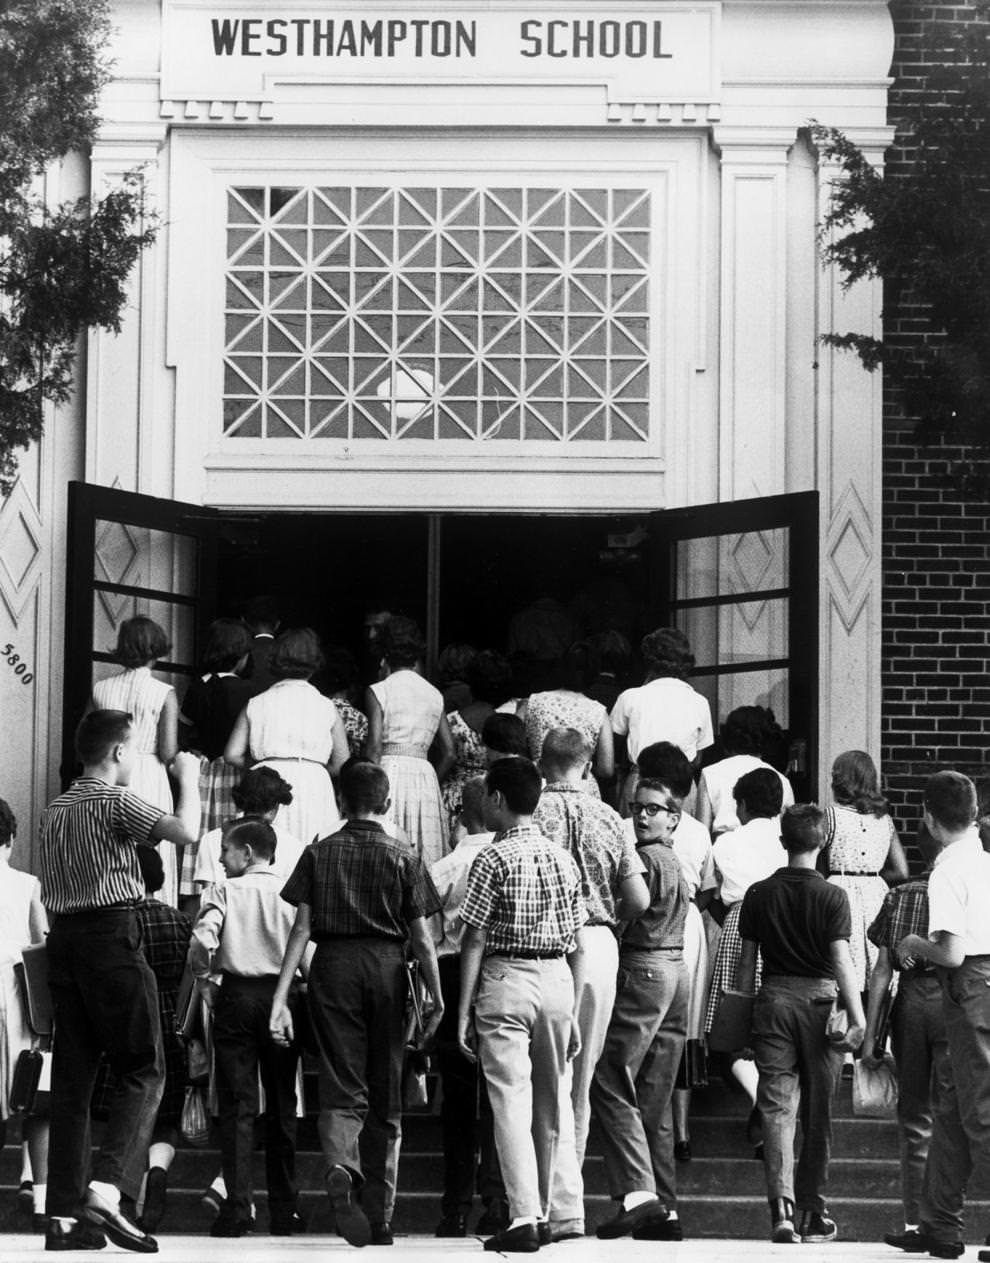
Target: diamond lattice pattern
[438, 313]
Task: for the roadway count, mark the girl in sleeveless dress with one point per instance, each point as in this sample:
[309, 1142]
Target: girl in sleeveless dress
[862, 850]
[405, 716]
[141, 643]
[293, 728]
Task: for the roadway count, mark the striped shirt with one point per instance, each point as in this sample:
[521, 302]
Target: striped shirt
[87, 856]
[525, 891]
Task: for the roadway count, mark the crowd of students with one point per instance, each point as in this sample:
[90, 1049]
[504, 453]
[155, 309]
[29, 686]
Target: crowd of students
[570, 954]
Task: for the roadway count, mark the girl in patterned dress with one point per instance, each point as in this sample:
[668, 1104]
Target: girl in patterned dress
[568, 707]
[488, 679]
[405, 717]
[862, 850]
[209, 711]
[154, 711]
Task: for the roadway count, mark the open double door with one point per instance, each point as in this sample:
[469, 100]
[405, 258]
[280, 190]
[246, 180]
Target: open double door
[740, 579]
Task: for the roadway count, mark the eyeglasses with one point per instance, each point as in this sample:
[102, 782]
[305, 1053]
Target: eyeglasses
[651, 809]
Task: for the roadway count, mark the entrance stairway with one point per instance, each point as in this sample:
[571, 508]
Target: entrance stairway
[722, 1192]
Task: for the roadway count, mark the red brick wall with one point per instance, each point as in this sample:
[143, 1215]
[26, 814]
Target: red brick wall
[936, 542]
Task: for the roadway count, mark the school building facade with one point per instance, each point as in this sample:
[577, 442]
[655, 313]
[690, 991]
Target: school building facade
[461, 292]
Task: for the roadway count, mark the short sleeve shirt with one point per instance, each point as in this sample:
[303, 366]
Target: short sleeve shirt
[87, 857]
[595, 836]
[662, 924]
[663, 710]
[795, 916]
[360, 883]
[904, 911]
[959, 894]
[525, 892]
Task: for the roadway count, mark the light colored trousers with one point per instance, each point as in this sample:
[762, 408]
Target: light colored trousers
[523, 1011]
[593, 1005]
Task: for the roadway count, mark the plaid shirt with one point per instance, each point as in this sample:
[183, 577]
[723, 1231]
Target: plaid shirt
[525, 891]
[360, 883]
[904, 911]
[596, 838]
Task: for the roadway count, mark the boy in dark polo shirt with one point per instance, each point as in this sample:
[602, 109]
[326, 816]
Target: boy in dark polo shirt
[801, 925]
[362, 897]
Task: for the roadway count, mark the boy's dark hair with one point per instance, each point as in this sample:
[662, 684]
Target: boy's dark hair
[951, 799]
[666, 762]
[227, 642]
[761, 790]
[802, 828]
[505, 734]
[152, 868]
[8, 823]
[364, 787]
[140, 640]
[99, 732]
[259, 790]
[519, 782]
[254, 832]
[564, 749]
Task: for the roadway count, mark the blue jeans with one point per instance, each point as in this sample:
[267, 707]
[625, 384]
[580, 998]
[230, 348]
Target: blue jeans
[798, 1069]
[634, 1081]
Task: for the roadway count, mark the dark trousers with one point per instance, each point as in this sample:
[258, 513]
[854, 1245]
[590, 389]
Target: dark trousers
[469, 1156]
[798, 1069]
[357, 997]
[243, 1046]
[105, 1000]
[918, 1042]
[634, 1082]
[960, 1149]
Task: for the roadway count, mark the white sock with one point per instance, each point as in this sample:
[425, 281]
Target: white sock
[632, 1200]
[910, 1227]
[108, 1193]
[671, 1214]
[521, 1220]
[40, 1193]
[26, 1172]
[748, 1075]
[160, 1155]
[219, 1186]
[65, 1221]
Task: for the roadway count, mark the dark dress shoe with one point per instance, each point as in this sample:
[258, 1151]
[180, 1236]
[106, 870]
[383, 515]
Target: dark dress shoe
[452, 1226]
[913, 1241]
[945, 1249]
[352, 1223]
[79, 1235]
[662, 1228]
[525, 1239]
[622, 1224]
[119, 1229]
[229, 1226]
[543, 1233]
[381, 1234]
[682, 1151]
[283, 1223]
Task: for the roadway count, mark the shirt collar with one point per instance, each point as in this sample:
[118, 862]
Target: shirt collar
[563, 787]
[519, 831]
[969, 844]
[364, 826]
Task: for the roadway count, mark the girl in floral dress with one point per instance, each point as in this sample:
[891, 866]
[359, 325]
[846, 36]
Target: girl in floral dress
[863, 852]
[488, 679]
[568, 707]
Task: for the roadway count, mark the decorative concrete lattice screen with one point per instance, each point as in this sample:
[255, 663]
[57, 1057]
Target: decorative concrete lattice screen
[438, 313]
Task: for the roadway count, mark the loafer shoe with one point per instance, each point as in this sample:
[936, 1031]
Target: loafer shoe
[622, 1224]
[79, 1235]
[452, 1226]
[381, 1234]
[661, 1228]
[352, 1223]
[913, 1241]
[525, 1239]
[817, 1228]
[155, 1199]
[117, 1226]
[945, 1249]
[682, 1151]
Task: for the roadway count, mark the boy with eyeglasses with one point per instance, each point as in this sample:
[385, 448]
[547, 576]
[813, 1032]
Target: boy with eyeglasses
[634, 1080]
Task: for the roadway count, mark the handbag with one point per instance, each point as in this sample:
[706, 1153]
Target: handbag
[416, 1061]
[693, 1070]
[193, 1122]
[31, 1082]
[874, 1091]
[733, 1025]
[34, 973]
